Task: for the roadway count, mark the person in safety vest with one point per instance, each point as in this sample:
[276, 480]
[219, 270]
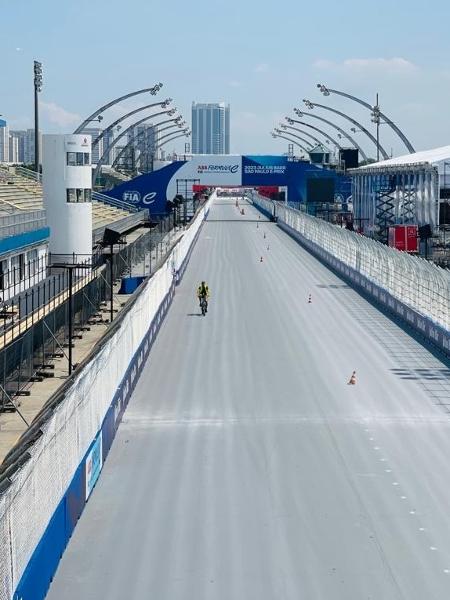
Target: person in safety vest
[203, 294]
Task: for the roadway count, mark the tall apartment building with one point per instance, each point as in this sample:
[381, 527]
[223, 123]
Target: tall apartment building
[17, 143]
[4, 141]
[210, 128]
[29, 146]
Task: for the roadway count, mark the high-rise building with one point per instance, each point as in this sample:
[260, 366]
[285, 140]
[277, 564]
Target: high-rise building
[98, 149]
[4, 141]
[28, 157]
[13, 149]
[210, 128]
[20, 136]
[145, 143]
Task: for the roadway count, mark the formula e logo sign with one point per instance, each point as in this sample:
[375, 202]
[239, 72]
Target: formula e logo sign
[217, 168]
[133, 197]
[149, 198]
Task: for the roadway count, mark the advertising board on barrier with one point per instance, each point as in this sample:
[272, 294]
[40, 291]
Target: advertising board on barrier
[93, 464]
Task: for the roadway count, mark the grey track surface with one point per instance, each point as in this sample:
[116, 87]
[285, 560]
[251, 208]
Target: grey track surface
[247, 469]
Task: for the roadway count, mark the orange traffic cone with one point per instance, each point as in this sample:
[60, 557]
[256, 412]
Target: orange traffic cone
[352, 380]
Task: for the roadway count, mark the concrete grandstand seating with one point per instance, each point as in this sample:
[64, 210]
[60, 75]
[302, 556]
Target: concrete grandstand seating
[20, 193]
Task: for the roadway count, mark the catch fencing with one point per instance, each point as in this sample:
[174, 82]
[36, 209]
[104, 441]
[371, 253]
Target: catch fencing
[414, 289]
[47, 479]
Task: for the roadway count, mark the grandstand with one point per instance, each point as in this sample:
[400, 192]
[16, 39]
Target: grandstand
[19, 190]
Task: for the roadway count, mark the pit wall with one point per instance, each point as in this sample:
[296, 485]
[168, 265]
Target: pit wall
[384, 274]
[40, 508]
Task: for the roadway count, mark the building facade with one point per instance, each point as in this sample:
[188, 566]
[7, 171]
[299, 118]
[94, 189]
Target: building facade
[4, 141]
[99, 148]
[210, 128]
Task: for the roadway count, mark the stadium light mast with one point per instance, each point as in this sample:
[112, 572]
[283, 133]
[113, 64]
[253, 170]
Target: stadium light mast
[375, 113]
[313, 137]
[307, 142]
[299, 113]
[275, 134]
[321, 131]
[37, 89]
[376, 141]
[110, 146]
[163, 104]
[152, 90]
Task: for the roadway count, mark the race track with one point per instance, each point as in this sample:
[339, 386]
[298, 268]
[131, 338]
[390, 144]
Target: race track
[247, 469]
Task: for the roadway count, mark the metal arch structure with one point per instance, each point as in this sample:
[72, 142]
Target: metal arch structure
[283, 126]
[173, 137]
[152, 149]
[110, 146]
[289, 139]
[152, 90]
[313, 137]
[321, 131]
[138, 135]
[327, 91]
[164, 104]
[311, 105]
[299, 113]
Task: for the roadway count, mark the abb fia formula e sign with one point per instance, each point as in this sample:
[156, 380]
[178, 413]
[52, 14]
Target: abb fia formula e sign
[210, 170]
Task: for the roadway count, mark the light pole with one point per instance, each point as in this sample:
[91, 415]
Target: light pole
[111, 145]
[152, 90]
[294, 135]
[164, 104]
[324, 133]
[285, 137]
[311, 105]
[316, 140]
[327, 91]
[37, 89]
[299, 113]
[136, 137]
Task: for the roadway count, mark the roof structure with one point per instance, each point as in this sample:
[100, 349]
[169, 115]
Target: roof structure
[435, 157]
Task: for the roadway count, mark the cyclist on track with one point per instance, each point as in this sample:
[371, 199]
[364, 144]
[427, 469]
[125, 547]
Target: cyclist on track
[203, 294]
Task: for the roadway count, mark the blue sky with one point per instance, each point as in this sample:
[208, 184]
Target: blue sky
[262, 57]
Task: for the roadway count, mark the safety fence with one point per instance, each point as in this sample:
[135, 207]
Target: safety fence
[47, 479]
[414, 289]
[34, 325]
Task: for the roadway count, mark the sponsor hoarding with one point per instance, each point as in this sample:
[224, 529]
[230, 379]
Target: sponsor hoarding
[93, 464]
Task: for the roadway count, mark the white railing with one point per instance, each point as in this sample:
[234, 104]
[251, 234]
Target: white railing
[414, 281]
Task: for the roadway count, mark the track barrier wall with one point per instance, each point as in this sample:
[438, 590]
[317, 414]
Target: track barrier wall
[44, 496]
[413, 289]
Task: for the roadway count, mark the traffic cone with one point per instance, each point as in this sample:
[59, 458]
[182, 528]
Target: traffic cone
[242, 212]
[352, 380]
[310, 299]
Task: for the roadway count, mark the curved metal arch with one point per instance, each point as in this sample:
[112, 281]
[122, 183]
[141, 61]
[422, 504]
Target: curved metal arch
[275, 135]
[353, 121]
[327, 91]
[175, 137]
[135, 138]
[153, 90]
[341, 131]
[110, 146]
[289, 120]
[155, 147]
[295, 135]
[163, 104]
[313, 137]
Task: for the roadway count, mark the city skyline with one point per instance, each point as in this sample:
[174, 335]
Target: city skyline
[210, 128]
[262, 85]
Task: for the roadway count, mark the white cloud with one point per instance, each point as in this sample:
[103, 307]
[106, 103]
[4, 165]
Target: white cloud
[59, 116]
[383, 64]
[387, 65]
[261, 68]
[18, 49]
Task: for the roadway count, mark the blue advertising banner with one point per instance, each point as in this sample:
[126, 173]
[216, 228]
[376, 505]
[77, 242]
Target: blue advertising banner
[264, 170]
[93, 464]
